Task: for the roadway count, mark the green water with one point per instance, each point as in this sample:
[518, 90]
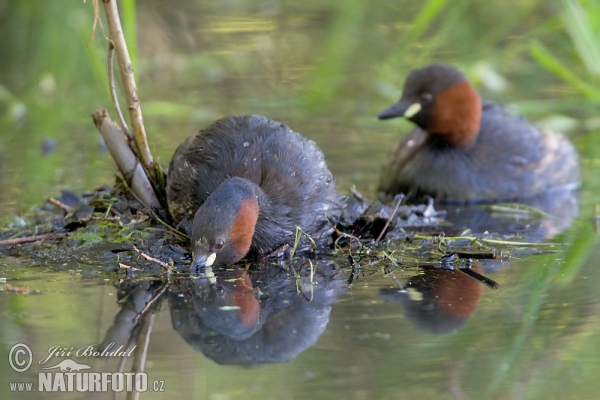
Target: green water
[325, 69]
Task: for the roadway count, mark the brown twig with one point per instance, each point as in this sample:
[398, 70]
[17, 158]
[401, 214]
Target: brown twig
[59, 204]
[152, 259]
[29, 239]
[126, 69]
[97, 21]
[128, 267]
[113, 90]
[387, 223]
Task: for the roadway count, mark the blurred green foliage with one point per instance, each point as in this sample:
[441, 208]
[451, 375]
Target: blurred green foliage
[582, 22]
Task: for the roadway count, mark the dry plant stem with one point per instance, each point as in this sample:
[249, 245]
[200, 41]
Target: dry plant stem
[476, 240]
[29, 239]
[126, 69]
[59, 204]
[400, 198]
[154, 260]
[127, 267]
[128, 164]
[181, 235]
[113, 91]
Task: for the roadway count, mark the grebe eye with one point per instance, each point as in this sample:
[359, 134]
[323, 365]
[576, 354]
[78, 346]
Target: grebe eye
[219, 244]
[426, 97]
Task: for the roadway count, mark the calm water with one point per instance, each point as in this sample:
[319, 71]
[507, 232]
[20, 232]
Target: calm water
[325, 70]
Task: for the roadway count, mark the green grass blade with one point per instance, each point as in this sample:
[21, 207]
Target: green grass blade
[552, 64]
[422, 21]
[578, 23]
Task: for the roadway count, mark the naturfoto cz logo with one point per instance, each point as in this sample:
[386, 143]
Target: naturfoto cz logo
[67, 375]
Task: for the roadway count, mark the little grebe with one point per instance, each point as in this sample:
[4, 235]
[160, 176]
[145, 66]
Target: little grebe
[242, 186]
[465, 151]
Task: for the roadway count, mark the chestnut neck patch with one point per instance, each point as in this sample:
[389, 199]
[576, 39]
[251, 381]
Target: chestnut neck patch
[243, 226]
[456, 115]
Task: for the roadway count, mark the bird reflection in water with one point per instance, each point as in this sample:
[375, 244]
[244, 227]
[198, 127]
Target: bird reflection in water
[256, 317]
[440, 300]
[234, 315]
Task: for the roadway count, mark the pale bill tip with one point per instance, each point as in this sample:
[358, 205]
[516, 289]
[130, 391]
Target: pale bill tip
[412, 110]
[210, 260]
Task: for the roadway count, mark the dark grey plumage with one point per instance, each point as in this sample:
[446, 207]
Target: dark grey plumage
[510, 160]
[296, 187]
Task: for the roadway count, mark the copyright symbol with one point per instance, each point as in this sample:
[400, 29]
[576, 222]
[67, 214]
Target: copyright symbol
[20, 357]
